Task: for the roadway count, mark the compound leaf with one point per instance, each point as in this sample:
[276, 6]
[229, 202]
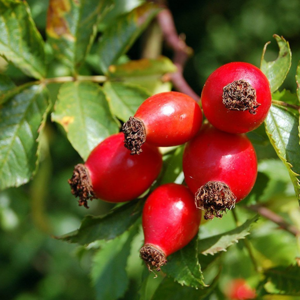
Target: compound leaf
[117, 39]
[84, 113]
[124, 98]
[183, 266]
[108, 269]
[20, 41]
[72, 26]
[20, 123]
[282, 280]
[106, 227]
[221, 242]
[282, 130]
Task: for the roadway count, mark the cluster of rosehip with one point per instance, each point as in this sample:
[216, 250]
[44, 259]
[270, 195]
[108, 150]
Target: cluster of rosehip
[219, 161]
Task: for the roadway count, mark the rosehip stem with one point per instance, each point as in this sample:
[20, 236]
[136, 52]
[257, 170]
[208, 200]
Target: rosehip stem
[247, 244]
[97, 78]
[270, 215]
[281, 103]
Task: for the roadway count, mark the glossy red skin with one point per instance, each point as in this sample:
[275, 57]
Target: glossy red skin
[170, 218]
[214, 155]
[118, 176]
[230, 120]
[170, 118]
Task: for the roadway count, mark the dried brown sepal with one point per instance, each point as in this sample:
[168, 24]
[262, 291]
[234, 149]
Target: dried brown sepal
[240, 95]
[153, 257]
[135, 135]
[81, 185]
[214, 198]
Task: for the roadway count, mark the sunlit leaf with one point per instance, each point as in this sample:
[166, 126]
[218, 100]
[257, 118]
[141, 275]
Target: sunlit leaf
[117, 39]
[277, 70]
[124, 98]
[71, 28]
[142, 68]
[222, 241]
[282, 129]
[20, 123]
[84, 113]
[20, 41]
[108, 269]
[106, 227]
[183, 266]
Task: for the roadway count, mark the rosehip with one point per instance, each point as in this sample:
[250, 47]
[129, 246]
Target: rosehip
[112, 174]
[220, 168]
[170, 221]
[236, 97]
[165, 119]
[238, 289]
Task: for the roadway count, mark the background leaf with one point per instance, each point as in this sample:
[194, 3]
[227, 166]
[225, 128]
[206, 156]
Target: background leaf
[117, 39]
[147, 73]
[172, 167]
[277, 70]
[108, 270]
[221, 242]
[84, 113]
[124, 98]
[107, 227]
[20, 41]
[20, 123]
[282, 129]
[283, 280]
[71, 28]
[184, 266]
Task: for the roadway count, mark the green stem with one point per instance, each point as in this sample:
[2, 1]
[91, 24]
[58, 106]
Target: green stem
[281, 103]
[247, 244]
[97, 78]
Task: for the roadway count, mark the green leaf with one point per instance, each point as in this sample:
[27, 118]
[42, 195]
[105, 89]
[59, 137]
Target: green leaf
[282, 129]
[286, 96]
[20, 41]
[172, 167]
[72, 26]
[170, 290]
[108, 269]
[107, 227]
[9, 89]
[124, 98]
[20, 123]
[6, 84]
[283, 280]
[84, 113]
[142, 68]
[147, 73]
[277, 70]
[222, 241]
[184, 266]
[121, 7]
[117, 39]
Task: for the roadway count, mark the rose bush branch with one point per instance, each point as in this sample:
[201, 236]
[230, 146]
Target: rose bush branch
[275, 218]
[181, 52]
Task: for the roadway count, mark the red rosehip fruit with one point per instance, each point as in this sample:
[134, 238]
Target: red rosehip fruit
[112, 174]
[165, 119]
[238, 289]
[170, 221]
[220, 168]
[236, 97]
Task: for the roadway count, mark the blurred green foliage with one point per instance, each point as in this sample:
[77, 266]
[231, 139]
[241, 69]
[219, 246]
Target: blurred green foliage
[34, 265]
